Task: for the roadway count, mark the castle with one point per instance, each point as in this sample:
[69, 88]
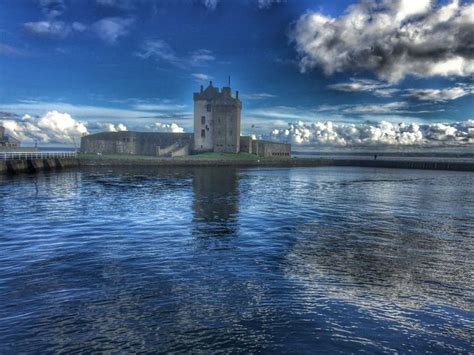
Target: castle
[217, 120]
[217, 128]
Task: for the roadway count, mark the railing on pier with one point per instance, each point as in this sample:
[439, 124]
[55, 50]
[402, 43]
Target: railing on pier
[37, 155]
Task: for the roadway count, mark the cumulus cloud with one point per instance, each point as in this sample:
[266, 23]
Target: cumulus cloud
[53, 127]
[370, 134]
[440, 95]
[110, 29]
[108, 127]
[165, 127]
[392, 38]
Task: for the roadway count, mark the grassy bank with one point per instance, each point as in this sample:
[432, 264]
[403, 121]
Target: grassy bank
[116, 157]
[200, 156]
[220, 156]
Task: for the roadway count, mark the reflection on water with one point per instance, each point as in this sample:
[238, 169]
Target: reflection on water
[194, 260]
[215, 202]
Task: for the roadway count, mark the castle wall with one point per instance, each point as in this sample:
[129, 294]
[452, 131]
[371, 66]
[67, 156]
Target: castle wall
[135, 143]
[268, 149]
[206, 143]
[226, 128]
[246, 144]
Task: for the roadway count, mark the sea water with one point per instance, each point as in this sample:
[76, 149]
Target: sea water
[298, 260]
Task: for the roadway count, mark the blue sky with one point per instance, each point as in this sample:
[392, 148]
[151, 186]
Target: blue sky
[137, 62]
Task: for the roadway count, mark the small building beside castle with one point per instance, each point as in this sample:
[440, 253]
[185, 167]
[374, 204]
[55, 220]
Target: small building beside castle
[7, 142]
[217, 126]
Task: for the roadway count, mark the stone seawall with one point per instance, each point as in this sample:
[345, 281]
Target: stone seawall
[396, 164]
[35, 165]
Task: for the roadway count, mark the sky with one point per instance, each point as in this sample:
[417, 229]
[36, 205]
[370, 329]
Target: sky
[317, 73]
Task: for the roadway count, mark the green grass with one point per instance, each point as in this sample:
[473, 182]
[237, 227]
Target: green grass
[220, 156]
[116, 156]
[200, 156]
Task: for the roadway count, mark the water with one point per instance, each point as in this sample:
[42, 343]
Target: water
[295, 260]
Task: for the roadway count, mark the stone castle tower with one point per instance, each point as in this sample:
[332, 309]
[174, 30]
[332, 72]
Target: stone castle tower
[217, 120]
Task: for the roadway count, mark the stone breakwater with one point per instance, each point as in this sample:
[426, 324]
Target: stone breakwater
[304, 162]
[36, 165]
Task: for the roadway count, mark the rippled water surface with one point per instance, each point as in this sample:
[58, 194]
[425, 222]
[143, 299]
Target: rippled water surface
[295, 260]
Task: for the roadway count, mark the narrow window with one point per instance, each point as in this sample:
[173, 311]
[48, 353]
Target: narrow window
[203, 133]
[208, 107]
[203, 119]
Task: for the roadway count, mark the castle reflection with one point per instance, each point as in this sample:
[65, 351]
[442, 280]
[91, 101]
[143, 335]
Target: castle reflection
[216, 201]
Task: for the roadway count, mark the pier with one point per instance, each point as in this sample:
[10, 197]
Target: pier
[32, 162]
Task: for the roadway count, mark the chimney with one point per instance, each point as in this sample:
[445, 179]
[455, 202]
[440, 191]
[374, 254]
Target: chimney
[210, 83]
[202, 89]
[237, 94]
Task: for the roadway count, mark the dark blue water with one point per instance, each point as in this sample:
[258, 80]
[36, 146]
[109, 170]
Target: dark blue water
[296, 260]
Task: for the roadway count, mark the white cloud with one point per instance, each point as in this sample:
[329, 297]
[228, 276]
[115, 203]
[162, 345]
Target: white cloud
[383, 89]
[9, 50]
[440, 95]
[201, 57]
[390, 38]
[377, 88]
[391, 107]
[57, 29]
[53, 127]
[110, 29]
[78, 27]
[161, 51]
[162, 107]
[157, 49]
[108, 127]
[262, 4]
[201, 77]
[165, 127]
[258, 96]
[119, 4]
[210, 4]
[141, 111]
[52, 8]
[382, 133]
[265, 4]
